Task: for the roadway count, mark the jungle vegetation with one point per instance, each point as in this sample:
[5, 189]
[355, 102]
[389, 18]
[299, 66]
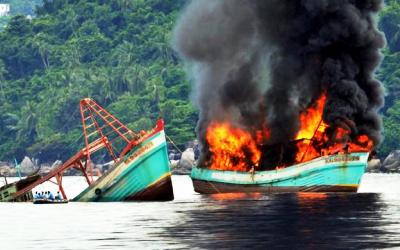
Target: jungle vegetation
[117, 52]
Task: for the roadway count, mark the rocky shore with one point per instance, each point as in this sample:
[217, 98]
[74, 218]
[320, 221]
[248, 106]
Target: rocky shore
[181, 164]
[391, 164]
[30, 166]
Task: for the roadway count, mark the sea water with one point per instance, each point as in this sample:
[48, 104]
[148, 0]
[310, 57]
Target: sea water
[369, 219]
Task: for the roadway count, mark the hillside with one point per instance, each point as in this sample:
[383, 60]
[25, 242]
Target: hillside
[119, 53]
[22, 7]
[389, 74]
[116, 52]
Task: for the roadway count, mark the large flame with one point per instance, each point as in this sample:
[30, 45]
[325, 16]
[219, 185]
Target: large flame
[314, 142]
[311, 121]
[312, 127]
[236, 149]
[231, 148]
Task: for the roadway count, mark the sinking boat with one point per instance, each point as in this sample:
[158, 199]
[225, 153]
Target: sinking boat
[143, 174]
[140, 170]
[8, 192]
[333, 173]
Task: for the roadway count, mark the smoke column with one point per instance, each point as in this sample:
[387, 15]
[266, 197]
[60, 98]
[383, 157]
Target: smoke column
[258, 63]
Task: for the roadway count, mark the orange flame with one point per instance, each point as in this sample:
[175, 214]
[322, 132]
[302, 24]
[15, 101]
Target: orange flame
[311, 126]
[235, 149]
[232, 148]
[311, 121]
[312, 131]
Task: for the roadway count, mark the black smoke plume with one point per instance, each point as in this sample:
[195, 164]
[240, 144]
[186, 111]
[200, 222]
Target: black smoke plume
[262, 62]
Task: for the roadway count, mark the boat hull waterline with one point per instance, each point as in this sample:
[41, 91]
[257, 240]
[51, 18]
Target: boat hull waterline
[335, 173]
[49, 201]
[143, 174]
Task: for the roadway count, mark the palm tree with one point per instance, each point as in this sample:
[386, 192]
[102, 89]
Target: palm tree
[71, 55]
[3, 72]
[136, 79]
[25, 124]
[39, 40]
[124, 4]
[124, 54]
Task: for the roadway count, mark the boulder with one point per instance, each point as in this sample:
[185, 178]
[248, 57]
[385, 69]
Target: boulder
[186, 162]
[57, 163]
[174, 164]
[374, 165]
[392, 162]
[4, 164]
[27, 166]
[106, 166]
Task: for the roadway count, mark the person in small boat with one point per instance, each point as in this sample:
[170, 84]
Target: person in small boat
[50, 195]
[36, 195]
[58, 196]
[43, 196]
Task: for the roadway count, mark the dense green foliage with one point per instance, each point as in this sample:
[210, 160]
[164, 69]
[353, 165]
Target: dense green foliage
[389, 74]
[117, 52]
[22, 7]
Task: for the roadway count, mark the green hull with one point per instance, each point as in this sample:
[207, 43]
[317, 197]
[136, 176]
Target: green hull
[7, 192]
[144, 174]
[336, 173]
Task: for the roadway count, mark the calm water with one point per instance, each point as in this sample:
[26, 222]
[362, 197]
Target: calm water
[235, 221]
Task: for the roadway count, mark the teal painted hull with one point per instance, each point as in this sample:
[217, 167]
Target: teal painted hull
[144, 174]
[325, 174]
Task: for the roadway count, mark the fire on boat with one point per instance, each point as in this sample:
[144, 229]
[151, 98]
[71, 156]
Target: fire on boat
[319, 159]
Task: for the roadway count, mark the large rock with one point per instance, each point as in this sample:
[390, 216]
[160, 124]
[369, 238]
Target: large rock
[186, 162]
[27, 166]
[56, 164]
[4, 164]
[374, 166]
[392, 162]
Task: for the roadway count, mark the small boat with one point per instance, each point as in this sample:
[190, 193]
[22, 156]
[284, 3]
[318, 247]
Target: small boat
[8, 191]
[333, 173]
[48, 201]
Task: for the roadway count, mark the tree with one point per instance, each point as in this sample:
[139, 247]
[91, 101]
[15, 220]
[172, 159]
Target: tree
[391, 130]
[40, 42]
[115, 51]
[3, 73]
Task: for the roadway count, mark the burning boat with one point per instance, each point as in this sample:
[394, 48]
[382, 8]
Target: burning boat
[141, 169]
[286, 91]
[336, 173]
[238, 164]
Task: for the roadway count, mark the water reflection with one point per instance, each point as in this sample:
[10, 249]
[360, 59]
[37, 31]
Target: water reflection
[235, 221]
[303, 220]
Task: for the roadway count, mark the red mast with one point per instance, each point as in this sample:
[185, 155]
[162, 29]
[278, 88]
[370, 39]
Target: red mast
[101, 130]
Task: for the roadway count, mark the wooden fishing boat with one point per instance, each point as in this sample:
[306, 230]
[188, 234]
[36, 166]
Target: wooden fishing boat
[8, 191]
[141, 168]
[334, 173]
[143, 174]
